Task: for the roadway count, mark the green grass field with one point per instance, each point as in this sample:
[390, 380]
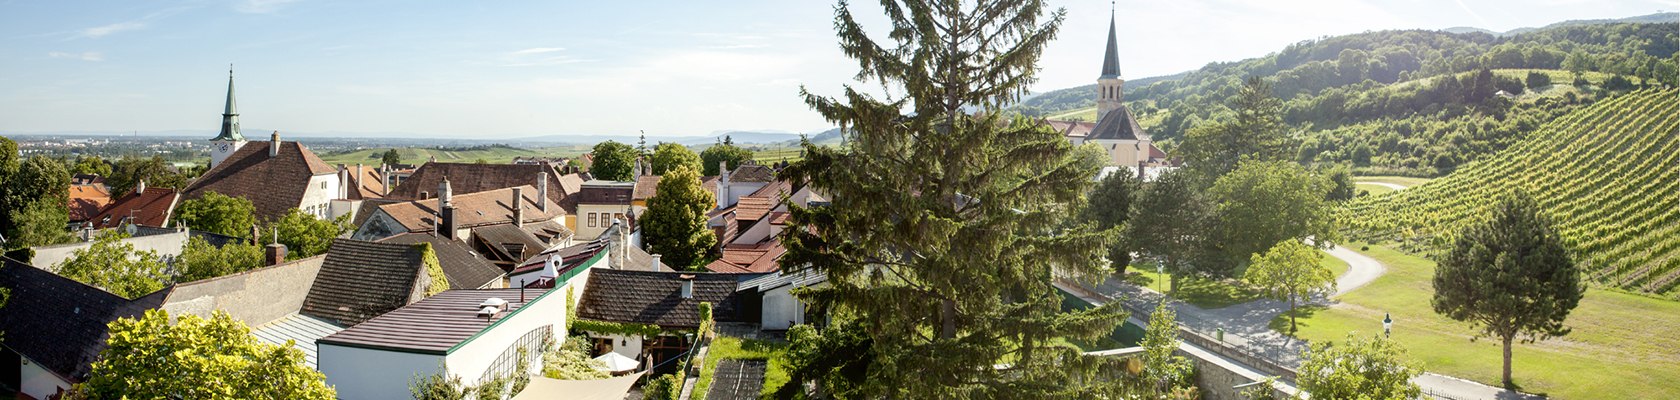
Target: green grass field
[1374, 190]
[1406, 181]
[775, 374]
[417, 155]
[1623, 345]
[1210, 293]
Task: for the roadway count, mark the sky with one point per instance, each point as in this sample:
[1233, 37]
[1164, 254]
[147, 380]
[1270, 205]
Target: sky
[509, 69]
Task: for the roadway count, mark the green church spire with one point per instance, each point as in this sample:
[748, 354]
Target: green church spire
[230, 115]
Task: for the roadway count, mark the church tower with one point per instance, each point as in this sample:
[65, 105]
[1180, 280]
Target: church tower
[230, 140]
[1108, 85]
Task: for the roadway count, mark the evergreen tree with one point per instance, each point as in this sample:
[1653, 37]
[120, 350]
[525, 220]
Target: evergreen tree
[391, 158]
[1509, 276]
[675, 222]
[1255, 132]
[614, 161]
[1170, 223]
[946, 226]
[216, 213]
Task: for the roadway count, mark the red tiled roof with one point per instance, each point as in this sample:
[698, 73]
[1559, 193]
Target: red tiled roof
[1075, 129]
[774, 190]
[472, 177]
[367, 185]
[749, 259]
[471, 210]
[151, 208]
[273, 184]
[646, 185]
[87, 200]
[753, 208]
[779, 217]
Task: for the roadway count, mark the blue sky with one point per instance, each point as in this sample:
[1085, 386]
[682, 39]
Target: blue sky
[515, 68]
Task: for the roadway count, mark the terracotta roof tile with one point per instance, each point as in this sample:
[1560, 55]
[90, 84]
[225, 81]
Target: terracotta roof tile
[153, 208]
[745, 259]
[654, 297]
[753, 208]
[471, 210]
[87, 200]
[473, 177]
[752, 173]
[273, 184]
[646, 185]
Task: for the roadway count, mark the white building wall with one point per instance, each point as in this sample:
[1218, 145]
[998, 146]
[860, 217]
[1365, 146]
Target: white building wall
[628, 346]
[603, 219]
[166, 245]
[321, 191]
[367, 374]
[472, 358]
[780, 310]
[40, 383]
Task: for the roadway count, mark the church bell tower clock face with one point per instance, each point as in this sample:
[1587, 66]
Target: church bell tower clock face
[224, 147]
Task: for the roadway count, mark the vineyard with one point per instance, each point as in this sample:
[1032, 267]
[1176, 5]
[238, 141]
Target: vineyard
[1606, 174]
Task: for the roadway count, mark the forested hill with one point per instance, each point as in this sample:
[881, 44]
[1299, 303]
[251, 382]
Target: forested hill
[1413, 102]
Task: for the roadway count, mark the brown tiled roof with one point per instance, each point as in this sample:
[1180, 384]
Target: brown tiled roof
[646, 185]
[87, 200]
[1072, 129]
[774, 190]
[606, 192]
[471, 210]
[752, 173]
[272, 184]
[1118, 125]
[748, 259]
[367, 185]
[152, 208]
[473, 177]
[499, 238]
[1155, 152]
[654, 297]
[549, 231]
[465, 268]
[709, 183]
[753, 208]
[361, 280]
[779, 217]
[58, 322]
[434, 325]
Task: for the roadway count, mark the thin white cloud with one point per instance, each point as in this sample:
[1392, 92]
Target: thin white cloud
[261, 6]
[560, 60]
[1472, 13]
[101, 31]
[86, 56]
[536, 50]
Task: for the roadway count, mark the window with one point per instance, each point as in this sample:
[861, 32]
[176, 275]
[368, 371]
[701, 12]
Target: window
[591, 220]
[532, 343]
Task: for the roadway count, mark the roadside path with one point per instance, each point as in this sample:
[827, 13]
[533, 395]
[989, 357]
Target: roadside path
[1394, 186]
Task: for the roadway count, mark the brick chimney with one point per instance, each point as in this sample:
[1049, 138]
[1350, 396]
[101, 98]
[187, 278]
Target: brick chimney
[447, 208]
[274, 144]
[542, 190]
[518, 205]
[275, 254]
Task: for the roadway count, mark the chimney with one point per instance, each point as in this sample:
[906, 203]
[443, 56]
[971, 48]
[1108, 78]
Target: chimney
[687, 286]
[275, 254]
[140, 188]
[446, 207]
[542, 190]
[615, 246]
[654, 266]
[343, 182]
[385, 175]
[723, 184]
[274, 144]
[256, 236]
[518, 205]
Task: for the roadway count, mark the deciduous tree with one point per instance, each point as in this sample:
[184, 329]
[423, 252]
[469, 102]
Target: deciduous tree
[1170, 222]
[614, 161]
[197, 358]
[1256, 131]
[1374, 368]
[724, 153]
[1109, 206]
[391, 158]
[129, 171]
[91, 165]
[40, 223]
[216, 213]
[1290, 271]
[675, 222]
[947, 226]
[1164, 371]
[1510, 277]
[202, 260]
[115, 266]
[1262, 203]
[669, 156]
[306, 236]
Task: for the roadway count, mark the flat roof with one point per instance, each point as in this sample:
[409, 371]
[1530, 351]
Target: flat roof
[435, 325]
[302, 330]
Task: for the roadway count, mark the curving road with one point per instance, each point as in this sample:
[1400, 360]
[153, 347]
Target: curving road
[1361, 270]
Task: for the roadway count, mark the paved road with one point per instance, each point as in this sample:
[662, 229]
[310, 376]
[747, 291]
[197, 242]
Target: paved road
[1361, 270]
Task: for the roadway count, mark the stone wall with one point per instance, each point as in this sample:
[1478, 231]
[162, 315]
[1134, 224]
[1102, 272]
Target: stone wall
[256, 297]
[167, 245]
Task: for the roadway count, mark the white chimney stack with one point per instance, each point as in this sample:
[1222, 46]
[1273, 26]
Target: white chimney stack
[274, 144]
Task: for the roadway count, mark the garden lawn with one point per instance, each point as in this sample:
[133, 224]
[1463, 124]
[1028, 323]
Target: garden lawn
[1373, 190]
[1210, 293]
[1622, 346]
[775, 373]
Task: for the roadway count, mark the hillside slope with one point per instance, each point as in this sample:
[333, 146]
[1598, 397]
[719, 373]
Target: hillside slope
[1608, 175]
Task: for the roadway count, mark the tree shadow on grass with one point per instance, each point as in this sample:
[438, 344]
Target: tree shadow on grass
[1303, 315]
[1214, 293]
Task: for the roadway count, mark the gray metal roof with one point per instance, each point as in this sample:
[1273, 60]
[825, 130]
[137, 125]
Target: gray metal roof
[1111, 60]
[230, 116]
[302, 330]
[434, 325]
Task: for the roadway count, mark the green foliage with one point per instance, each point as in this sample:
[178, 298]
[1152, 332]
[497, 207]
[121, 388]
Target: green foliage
[40, 223]
[307, 236]
[1603, 173]
[1508, 276]
[1170, 223]
[1374, 368]
[197, 358]
[722, 153]
[926, 192]
[91, 165]
[1163, 371]
[664, 387]
[670, 156]
[571, 361]
[440, 386]
[1537, 80]
[620, 328]
[113, 265]
[155, 171]
[521, 372]
[614, 161]
[773, 352]
[217, 213]
[1290, 271]
[391, 158]
[837, 359]
[1255, 133]
[675, 222]
[201, 260]
[437, 282]
[1341, 184]
[1263, 203]
[1110, 204]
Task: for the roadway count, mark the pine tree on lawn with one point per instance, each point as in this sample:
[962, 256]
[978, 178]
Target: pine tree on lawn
[945, 225]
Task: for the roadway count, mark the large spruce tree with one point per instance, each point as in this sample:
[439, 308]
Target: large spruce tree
[946, 226]
[1510, 277]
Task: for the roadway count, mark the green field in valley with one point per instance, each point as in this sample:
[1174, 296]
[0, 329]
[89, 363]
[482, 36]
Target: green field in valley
[417, 155]
[1624, 346]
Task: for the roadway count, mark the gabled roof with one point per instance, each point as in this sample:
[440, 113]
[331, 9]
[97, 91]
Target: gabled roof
[606, 192]
[272, 184]
[502, 237]
[366, 185]
[749, 259]
[1072, 129]
[752, 172]
[646, 185]
[87, 200]
[654, 297]
[58, 322]
[1118, 125]
[435, 325]
[471, 209]
[465, 268]
[361, 280]
[473, 177]
[150, 208]
[752, 208]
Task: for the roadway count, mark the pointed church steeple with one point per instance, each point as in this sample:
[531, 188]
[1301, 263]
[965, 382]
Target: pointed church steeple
[230, 115]
[1111, 60]
[1110, 86]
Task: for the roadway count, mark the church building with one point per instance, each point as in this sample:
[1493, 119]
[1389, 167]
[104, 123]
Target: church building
[1116, 129]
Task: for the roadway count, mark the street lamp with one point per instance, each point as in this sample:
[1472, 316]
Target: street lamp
[1388, 324]
[1159, 270]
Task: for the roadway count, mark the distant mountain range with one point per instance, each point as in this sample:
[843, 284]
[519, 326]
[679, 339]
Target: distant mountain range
[1651, 18]
[739, 137]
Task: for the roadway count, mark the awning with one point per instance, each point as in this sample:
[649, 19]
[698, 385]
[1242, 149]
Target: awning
[618, 362]
[544, 388]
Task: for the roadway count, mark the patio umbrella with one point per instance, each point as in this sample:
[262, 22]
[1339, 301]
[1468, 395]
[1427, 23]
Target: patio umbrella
[618, 362]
